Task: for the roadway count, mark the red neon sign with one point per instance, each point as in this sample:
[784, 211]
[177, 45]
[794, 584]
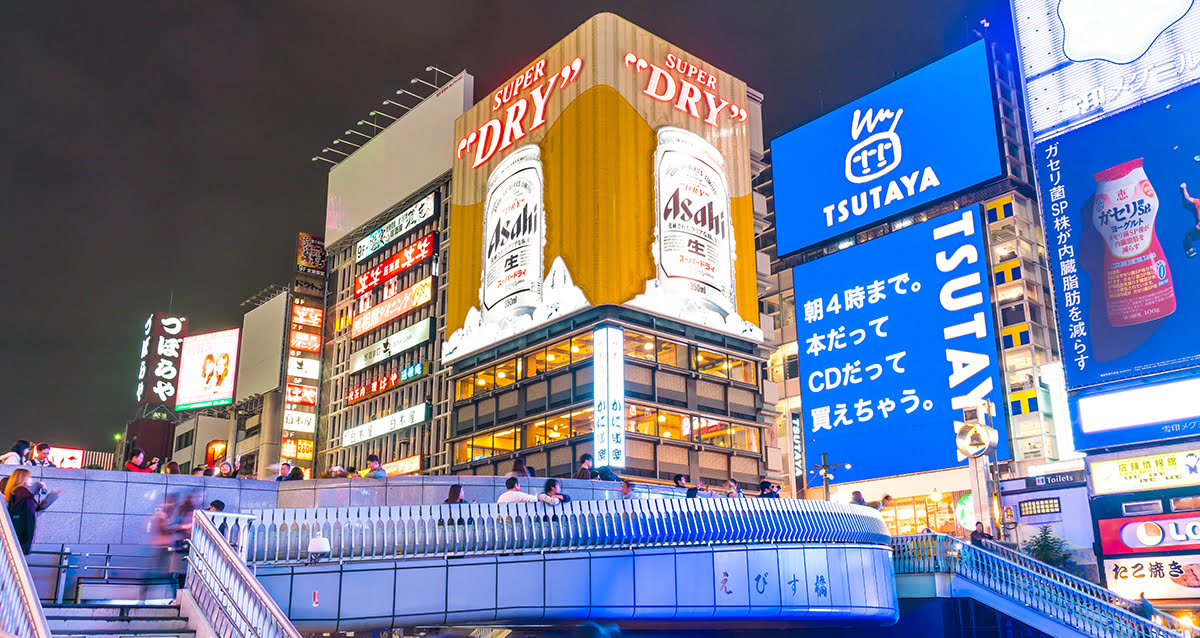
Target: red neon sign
[383, 383]
[410, 256]
[307, 316]
[408, 299]
[663, 86]
[305, 341]
[496, 134]
[301, 394]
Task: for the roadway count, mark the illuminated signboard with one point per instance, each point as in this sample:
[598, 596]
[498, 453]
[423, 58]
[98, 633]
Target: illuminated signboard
[923, 137]
[1159, 577]
[310, 255]
[305, 341]
[390, 423]
[396, 228]
[65, 457]
[608, 397]
[304, 368]
[390, 346]
[406, 300]
[406, 465]
[896, 338]
[545, 207]
[158, 370]
[307, 316]
[1157, 533]
[409, 256]
[299, 449]
[1085, 60]
[301, 394]
[1159, 471]
[1149, 412]
[297, 421]
[207, 369]
[386, 382]
[1119, 228]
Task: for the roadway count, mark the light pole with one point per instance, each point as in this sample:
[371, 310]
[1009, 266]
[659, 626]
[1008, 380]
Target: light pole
[826, 470]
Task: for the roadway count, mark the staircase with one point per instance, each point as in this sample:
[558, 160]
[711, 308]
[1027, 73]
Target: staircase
[116, 621]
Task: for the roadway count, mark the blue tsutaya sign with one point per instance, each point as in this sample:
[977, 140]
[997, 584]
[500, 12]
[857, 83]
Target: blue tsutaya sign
[896, 339]
[923, 137]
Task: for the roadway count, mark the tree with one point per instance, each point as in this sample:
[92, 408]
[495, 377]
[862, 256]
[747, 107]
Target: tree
[1052, 550]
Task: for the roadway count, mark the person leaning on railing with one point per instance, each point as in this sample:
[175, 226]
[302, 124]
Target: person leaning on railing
[20, 496]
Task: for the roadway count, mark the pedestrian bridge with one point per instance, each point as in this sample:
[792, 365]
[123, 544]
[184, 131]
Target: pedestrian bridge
[809, 563]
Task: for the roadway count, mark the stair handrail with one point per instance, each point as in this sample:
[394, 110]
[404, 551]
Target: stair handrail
[21, 612]
[229, 596]
[1053, 593]
[282, 535]
[1067, 578]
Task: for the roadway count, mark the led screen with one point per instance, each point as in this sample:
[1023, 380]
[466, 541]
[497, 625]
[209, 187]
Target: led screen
[207, 370]
[896, 337]
[921, 138]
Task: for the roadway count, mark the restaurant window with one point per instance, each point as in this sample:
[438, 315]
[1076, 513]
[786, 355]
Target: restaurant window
[473, 449]
[742, 371]
[506, 373]
[672, 425]
[581, 347]
[464, 388]
[506, 441]
[671, 353]
[534, 433]
[535, 363]
[558, 355]
[581, 422]
[713, 363]
[485, 380]
[558, 427]
[712, 432]
[640, 419]
[639, 346]
[744, 438]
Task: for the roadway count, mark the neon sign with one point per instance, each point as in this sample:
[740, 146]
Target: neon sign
[301, 394]
[306, 341]
[663, 86]
[406, 300]
[408, 257]
[496, 135]
[307, 316]
[385, 382]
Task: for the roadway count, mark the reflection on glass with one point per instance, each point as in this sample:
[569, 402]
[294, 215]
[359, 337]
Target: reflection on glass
[639, 346]
[558, 355]
[742, 371]
[640, 419]
[713, 363]
[744, 438]
[581, 347]
[506, 373]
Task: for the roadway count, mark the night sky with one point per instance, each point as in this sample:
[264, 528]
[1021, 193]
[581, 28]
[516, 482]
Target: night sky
[161, 150]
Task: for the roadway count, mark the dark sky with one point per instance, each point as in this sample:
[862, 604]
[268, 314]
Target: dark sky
[163, 148]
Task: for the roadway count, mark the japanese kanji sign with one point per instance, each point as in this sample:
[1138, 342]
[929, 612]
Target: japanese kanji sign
[896, 337]
[158, 368]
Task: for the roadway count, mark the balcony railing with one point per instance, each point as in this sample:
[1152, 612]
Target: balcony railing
[20, 610]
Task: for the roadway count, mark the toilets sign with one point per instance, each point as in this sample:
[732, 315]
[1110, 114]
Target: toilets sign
[919, 139]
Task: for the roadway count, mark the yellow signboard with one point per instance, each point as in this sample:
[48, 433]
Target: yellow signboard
[613, 169]
[406, 465]
[1175, 469]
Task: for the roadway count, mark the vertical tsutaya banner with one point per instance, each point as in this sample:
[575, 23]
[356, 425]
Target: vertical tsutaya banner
[896, 338]
[158, 371]
[306, 322]
[1120, 199]
[608, 396]
[552, 216]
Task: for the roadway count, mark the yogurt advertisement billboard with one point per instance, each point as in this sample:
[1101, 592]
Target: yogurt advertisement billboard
[1120, 200]
[921, 138]
[876, 392]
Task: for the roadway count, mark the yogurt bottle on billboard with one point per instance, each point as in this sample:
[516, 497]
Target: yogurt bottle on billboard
[1137, 279]
[514, 235]
[694, 245]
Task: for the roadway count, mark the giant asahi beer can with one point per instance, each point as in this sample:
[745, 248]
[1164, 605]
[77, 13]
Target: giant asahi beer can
[514, 237]
[694, 245]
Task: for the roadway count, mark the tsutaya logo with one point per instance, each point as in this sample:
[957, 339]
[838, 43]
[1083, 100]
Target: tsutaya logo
[1117, 31]
[870, 159]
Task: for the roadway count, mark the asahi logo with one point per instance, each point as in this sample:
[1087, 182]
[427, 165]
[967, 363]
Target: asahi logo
[683, 208]
[514, 227]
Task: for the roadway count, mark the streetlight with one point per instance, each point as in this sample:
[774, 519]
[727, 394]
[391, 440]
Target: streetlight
[936, 497]
[826, 470]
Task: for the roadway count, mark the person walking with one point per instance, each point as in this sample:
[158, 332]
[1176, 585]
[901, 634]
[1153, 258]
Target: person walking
[585, 468]
[374, 468]
[284, 470]
[514, 493]
[518, 469]
[136, 458]
[41, 456]
[21, 507]
[17, 455]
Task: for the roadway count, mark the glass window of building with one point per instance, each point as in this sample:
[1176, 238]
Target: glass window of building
[581, 347]
[672, 425]
[744, 438]
[581, 422]
[558, 354]
[558, 427]
[464, 388]
[714, 363]
[742, 371]
[535, 363]
[640, 419]
[506, 441]
[639, 346]
[534, 433]
[672, 353]
[473, 449]
[485, 380]
[712, 432]
[506, 373]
